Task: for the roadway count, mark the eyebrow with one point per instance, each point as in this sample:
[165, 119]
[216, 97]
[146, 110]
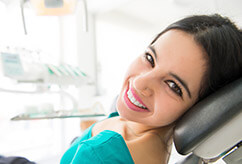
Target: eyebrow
[183, 83]
[153, 50]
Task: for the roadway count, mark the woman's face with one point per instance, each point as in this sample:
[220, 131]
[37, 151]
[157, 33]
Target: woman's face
[163, 82]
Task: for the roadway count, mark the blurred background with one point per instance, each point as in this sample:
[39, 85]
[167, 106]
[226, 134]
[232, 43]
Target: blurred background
[60, 58]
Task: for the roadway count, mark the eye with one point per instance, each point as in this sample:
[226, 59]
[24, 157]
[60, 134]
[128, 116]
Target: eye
[174, 87]
[150, 59]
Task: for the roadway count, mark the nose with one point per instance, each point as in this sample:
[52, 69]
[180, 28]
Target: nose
[145, 84]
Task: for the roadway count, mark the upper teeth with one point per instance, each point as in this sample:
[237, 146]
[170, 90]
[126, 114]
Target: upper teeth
[134, 101]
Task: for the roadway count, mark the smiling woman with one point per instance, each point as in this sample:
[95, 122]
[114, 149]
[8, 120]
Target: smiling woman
[187, 61]
[166, 77]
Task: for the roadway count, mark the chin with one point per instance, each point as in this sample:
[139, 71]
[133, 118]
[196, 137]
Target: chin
[123, 111]
[120, 107]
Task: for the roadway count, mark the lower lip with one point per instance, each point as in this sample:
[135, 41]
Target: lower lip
[131, 105]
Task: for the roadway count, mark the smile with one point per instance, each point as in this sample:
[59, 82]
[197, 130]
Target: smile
[133, 101]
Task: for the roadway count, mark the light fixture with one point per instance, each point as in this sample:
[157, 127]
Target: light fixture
[54, 7]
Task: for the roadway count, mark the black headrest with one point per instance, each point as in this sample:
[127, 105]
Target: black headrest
[206, 116]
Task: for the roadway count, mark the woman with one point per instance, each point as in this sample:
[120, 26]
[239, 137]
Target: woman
[186, 62]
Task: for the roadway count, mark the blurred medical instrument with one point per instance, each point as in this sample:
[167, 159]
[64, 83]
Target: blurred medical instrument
[36, 72]
[30, 70]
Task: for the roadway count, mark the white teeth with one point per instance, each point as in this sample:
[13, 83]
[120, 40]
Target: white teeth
[134, 101]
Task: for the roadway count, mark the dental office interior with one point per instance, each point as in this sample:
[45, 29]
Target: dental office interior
[63, 62]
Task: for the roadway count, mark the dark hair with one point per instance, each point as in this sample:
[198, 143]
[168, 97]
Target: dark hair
[222, 42]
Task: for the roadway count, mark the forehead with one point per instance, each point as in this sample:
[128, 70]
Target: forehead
[179, 52]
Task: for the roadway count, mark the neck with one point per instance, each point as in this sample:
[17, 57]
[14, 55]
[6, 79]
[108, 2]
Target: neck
[138, 129]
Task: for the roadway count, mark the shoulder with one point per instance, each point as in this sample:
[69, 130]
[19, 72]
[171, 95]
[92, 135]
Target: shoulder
[79, 152]
[111, 124]
[105, 147]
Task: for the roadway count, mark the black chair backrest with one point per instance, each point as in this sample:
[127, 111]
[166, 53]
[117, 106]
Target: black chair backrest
[208, 115]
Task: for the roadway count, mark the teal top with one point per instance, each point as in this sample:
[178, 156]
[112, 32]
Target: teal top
[108, 147]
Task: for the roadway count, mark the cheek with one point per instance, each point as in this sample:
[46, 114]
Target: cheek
[169, 111]
[119, 104]
[122, 109]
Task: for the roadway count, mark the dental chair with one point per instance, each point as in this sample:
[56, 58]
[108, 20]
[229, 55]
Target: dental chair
[212, 129]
